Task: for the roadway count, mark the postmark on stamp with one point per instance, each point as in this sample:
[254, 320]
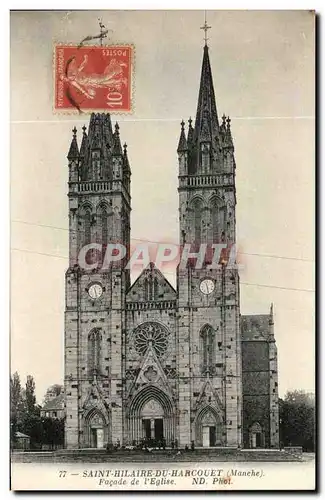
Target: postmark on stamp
[93, 78]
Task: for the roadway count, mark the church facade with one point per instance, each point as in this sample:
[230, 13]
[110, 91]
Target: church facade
[145, 362]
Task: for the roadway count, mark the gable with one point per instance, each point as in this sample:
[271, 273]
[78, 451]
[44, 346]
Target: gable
[151, 286]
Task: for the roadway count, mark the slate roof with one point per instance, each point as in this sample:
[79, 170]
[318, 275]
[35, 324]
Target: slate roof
[55, 404]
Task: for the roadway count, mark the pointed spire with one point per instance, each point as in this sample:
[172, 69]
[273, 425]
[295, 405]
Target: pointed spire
[190, 133]
[271, 314]
[228, 137]
[83, 142]
[126, 159]
[74, 150]
[206, 115]
[182, 143]
[117, 147]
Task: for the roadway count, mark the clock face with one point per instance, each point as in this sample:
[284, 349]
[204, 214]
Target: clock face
[95, 291]
[207, 286]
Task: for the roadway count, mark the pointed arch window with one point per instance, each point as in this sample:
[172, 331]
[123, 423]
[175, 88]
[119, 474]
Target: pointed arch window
[104, 226]
[197, 208]
[87, 227]
[207, 349]
[217, 221]
[155, 288]
[94, 352]
[146, 289]
[151, 288]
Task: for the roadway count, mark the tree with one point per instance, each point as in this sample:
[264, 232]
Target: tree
[53, 431]
[52, 392]
[30, 396]
[297, 420]
[16, 406]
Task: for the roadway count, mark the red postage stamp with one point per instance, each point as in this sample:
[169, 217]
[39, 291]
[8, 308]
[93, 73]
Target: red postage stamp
[93, 78]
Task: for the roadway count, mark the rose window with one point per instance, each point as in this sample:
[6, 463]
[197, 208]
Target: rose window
[151, 335]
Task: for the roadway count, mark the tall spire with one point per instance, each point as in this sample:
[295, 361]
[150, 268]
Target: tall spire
[206, 114]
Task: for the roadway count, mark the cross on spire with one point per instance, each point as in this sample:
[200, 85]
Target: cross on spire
[205, 27]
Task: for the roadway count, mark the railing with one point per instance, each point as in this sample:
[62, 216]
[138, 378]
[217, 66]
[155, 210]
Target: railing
[206, 180]
[94, 186]
[164, 304]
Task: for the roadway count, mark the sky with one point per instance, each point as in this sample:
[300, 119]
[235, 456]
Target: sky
[263, 71]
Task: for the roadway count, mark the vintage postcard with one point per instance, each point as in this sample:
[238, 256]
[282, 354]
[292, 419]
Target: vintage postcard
[162, 239]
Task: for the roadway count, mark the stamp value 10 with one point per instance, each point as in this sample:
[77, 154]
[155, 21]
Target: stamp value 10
[93, 78]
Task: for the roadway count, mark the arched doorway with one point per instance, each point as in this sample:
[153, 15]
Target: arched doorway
[256, 436]
[208, 428]
[151, 417]
[95, 430]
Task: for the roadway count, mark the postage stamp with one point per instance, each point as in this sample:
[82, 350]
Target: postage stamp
[93, 78]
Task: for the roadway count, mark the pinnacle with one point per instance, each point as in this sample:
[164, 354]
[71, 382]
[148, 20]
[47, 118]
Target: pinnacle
[182, 143]
[74, 150]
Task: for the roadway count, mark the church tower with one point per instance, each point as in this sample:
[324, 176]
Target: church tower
[209, 360]
[99, 215]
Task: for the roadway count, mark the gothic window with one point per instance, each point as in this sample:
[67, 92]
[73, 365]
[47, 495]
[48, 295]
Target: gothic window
[94, 352]
[207, 349]
[205, 157]
[197, 207]
[146, 289]
[87, 227]
[155, 289]
[95, 160]
[152, 335]
[124, 226]
[217, 221]
[151, 288]
[104, 226]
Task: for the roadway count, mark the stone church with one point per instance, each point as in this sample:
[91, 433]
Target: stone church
[145, 362]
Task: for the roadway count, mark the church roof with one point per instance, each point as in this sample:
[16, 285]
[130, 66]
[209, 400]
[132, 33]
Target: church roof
[55, 403]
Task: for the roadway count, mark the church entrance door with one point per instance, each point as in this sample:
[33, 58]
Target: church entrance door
[153, 428]
[97, 438]
[256, 436]
[212, 435]
[206, 436]
[159, 429]
[146, 425]
[100, 438]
